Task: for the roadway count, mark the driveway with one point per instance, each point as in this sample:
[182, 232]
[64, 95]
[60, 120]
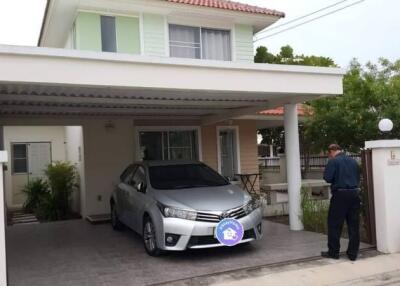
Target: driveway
[77, 253]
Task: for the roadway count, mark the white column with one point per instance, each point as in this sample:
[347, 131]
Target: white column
[292, 150]
[3, 267]
[386, 170]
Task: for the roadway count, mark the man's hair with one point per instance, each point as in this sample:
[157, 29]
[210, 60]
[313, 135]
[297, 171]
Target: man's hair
[334, 147]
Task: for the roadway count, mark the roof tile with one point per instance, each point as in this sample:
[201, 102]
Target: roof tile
[230, 5]
[302, 110]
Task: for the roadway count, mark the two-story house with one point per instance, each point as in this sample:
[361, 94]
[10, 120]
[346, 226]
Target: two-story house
[165, 79]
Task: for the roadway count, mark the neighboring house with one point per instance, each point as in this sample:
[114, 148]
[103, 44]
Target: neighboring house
[272, 118]
[165, 79]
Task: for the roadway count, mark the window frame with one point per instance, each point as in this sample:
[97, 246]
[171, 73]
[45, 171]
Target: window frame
[138, 166]
[13, 158]
[200, 27]
[139, 129]
[115, 33]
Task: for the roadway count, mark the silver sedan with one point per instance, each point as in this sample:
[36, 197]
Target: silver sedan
[176, 205]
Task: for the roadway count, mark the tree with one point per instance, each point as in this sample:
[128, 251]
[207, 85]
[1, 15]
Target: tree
[286, 56]
[263, 56]
[371, 93]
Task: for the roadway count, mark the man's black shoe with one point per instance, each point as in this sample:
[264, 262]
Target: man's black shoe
[326, 254]
[351, 257]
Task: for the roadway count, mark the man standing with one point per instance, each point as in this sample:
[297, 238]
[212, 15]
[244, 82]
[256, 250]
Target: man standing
[342, 172]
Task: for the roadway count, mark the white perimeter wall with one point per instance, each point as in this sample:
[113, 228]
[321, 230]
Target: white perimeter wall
[14, 134]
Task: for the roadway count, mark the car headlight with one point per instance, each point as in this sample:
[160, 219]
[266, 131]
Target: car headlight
[177, 213]
[252, 205]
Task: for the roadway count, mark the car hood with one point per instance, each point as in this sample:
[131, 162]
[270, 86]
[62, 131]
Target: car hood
[204, 199]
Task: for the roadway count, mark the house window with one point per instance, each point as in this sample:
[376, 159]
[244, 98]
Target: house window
[19, 158]
[199, 43]
[108, 34]
[169, 145]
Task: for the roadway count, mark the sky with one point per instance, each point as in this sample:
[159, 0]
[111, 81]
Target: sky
[366, 31]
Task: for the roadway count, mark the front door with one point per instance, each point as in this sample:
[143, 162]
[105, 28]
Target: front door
[228, 155]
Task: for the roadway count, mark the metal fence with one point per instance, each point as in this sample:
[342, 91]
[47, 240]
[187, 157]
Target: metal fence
[314, 162]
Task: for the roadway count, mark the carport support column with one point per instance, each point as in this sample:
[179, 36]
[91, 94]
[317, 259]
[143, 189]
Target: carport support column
[3, 267]
[292, 150]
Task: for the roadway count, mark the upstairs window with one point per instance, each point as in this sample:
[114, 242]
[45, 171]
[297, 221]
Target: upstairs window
[199, 43]
[108, 34]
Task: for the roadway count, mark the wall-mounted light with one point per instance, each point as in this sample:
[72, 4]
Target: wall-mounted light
[109, 126]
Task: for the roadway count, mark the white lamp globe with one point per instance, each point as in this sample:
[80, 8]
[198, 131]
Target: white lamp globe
[385, 125]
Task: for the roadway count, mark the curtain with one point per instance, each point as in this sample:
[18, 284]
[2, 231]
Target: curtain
[184, 42]
[216, 44]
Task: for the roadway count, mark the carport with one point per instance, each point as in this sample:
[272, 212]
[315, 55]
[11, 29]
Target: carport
[114, 96]
[78, 253]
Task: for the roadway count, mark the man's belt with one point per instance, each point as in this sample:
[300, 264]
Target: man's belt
[348, 189]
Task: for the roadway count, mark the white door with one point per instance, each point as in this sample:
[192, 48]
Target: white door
[39, 157]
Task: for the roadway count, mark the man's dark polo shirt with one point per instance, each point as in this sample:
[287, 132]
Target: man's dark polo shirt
[342, 172]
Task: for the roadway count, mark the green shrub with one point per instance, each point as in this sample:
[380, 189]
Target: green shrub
[50, 199]
[47, 208]
[315, 212]
[34, 191]
[61, 177]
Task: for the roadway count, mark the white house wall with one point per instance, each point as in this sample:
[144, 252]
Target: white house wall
[13, 134]
[74, 154]
[108, 151]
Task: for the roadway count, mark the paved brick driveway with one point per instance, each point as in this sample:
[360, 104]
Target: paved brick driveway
[78, 253]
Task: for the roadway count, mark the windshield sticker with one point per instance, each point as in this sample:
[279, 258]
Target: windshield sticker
[229, 231]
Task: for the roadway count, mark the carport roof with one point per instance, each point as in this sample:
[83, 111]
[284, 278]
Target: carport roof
[57, 82]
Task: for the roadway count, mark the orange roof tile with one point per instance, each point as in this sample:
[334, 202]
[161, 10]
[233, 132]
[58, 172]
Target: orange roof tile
[230, 5]
[302, 110]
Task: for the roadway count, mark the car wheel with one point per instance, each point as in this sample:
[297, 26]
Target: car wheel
[150, 238]
[115, 222]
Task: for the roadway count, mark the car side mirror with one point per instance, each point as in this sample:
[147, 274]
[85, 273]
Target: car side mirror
[141, 187]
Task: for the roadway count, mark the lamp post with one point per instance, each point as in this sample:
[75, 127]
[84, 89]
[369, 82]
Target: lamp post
[385, 126]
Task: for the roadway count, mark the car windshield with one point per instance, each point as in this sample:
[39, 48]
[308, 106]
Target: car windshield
[184, 176]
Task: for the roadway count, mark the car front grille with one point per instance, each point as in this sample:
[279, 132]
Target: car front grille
[217, 216]
[198, 240]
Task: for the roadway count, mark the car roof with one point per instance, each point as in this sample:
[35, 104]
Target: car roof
[152, 163]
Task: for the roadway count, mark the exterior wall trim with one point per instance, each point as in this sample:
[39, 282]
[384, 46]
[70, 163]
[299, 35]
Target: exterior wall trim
[108, 13]
[141, 32]
[115, 57]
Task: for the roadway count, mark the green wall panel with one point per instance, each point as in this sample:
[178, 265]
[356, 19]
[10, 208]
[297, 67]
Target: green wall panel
[154, 35]
[244, 43]
[128, 35]
[87, 31]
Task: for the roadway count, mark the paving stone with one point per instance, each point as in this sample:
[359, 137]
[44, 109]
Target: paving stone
[78, 253]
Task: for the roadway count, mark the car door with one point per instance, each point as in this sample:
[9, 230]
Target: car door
[122, 192]
[136, 198]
